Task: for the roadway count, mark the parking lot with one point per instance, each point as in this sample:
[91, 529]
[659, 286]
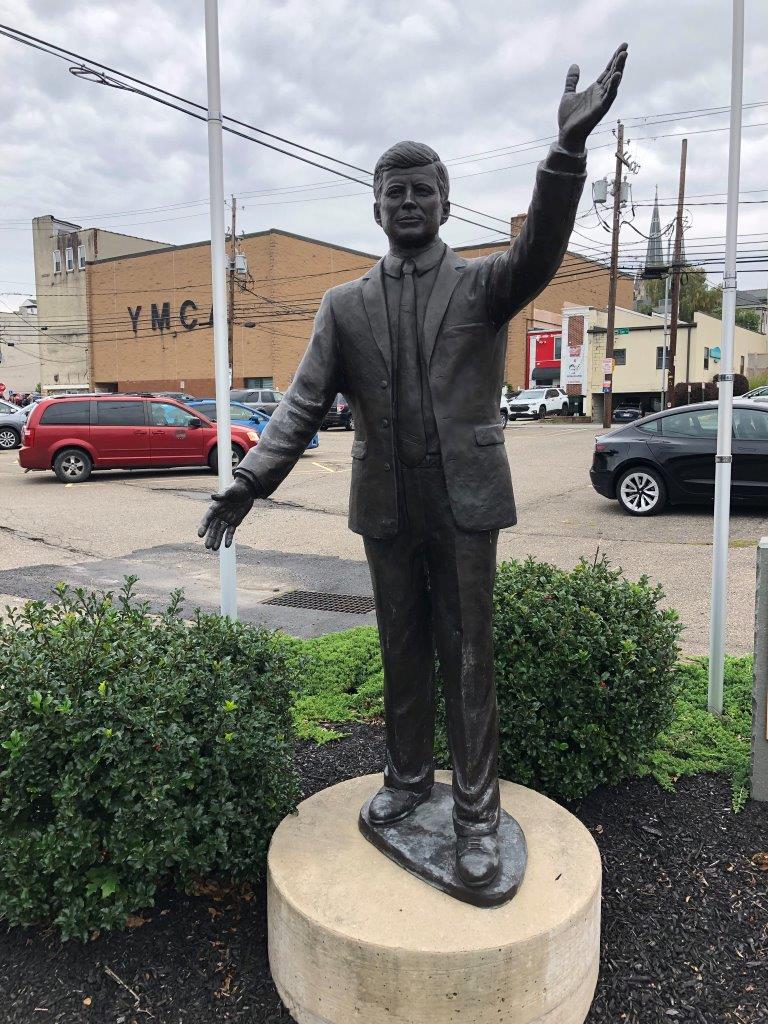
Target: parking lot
[144, 523]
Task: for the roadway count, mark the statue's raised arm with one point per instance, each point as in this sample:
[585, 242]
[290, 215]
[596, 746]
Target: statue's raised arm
[581, 112]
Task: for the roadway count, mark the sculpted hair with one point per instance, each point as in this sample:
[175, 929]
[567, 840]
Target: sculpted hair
[404, 155]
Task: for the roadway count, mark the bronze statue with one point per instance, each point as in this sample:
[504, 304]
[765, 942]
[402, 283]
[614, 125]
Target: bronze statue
[418, 346]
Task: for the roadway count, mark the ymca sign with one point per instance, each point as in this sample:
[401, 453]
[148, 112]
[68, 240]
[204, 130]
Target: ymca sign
[160, 316]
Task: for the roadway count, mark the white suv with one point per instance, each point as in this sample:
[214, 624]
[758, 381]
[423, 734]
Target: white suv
[538, 403]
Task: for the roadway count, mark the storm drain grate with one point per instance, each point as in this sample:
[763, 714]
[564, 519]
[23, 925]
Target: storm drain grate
[352, 604]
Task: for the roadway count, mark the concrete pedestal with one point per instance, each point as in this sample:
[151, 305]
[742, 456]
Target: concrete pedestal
[355, 938]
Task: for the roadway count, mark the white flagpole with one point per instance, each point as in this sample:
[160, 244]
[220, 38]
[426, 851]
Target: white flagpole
[725, 387]
[227, 558]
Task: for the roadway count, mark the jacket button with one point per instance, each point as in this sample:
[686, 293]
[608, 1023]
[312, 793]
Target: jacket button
[383, 383]
[387, 466]
[385, 422]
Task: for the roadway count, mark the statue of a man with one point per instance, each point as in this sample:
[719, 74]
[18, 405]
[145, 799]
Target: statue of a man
[418, 345]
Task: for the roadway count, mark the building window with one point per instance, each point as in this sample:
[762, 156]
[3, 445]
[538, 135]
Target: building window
[662, 358]
[57, 261]
[620, 356]
[706, 358]
[258, 382]
[741, 371]
[81, 257]
[69, 258]
[558, 347]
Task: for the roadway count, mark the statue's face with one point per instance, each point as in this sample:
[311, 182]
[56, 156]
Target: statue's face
[410, 209]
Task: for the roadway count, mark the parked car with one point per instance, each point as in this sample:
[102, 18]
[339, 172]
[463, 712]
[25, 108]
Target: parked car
[504, 407]
[78, 434]
[339, 415]
[12, 420]
[538, 403]
[627, 414]
[755, 395]
[266, 399]
[670, 458]
[242, 415]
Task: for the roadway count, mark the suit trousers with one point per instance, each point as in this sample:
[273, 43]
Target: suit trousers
[433, 588]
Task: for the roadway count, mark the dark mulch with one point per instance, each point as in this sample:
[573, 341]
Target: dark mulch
[685, 923]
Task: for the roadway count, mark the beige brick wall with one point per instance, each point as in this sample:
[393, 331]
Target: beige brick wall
[287, 278]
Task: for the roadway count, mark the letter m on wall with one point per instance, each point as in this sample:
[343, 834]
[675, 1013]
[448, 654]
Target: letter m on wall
[161, 320]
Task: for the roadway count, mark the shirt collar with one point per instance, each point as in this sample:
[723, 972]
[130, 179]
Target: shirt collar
[426, 260]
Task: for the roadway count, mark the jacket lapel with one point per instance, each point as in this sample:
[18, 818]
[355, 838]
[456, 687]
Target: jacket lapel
[376, 310]
[447, 278]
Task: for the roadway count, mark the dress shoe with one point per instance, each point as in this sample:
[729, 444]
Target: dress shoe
[390, 805]
[477, 859]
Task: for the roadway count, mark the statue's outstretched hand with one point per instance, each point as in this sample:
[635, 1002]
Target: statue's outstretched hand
[580, 112]
[228, 509]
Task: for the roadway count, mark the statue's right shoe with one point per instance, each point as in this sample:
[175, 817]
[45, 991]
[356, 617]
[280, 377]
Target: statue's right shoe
[391, 805]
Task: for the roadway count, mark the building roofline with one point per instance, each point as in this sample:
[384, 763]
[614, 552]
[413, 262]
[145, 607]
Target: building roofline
[251, 234]
[141, 238]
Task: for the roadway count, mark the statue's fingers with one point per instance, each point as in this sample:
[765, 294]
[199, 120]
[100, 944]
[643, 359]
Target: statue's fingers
[206, 522]
[213, 538]
[620, 53]
[572, 78]
[229, 536]
[612, 88]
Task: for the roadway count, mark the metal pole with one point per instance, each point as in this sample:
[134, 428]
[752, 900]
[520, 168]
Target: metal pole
[227, 559]
[725, 385]
[608, 398]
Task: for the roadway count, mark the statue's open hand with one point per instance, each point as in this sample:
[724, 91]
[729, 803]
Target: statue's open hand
[580, 112]
[224, 515]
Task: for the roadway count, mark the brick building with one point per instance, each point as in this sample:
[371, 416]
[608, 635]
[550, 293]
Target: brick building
[149, 314]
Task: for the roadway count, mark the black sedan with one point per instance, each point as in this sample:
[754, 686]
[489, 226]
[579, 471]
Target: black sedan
[627, 414]
[670, 457]
[339, 415]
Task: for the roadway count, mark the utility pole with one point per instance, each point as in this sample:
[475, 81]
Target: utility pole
[676, 270]
[608, 395]
[231, 302]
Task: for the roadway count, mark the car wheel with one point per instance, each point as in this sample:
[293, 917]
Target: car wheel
[237, 457]
[565, 409]
[504, 418]
[542, 412]
[641, 491]
[348, 424]
[72, 466]
[9, 438]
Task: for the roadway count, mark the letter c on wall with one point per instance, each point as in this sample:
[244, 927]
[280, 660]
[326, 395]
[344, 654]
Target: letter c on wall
[186, 306]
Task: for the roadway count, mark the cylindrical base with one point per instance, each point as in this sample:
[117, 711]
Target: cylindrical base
[355, 938]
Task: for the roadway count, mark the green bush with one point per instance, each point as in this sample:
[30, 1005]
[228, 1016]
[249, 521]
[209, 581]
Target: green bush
[338, 679]
[697, 740]
[134, 751]
[585, 672]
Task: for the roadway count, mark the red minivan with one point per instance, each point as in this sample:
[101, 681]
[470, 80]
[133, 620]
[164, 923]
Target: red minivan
[76, 434]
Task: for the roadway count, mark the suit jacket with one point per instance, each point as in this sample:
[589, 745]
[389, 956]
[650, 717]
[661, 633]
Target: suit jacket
[465, 344]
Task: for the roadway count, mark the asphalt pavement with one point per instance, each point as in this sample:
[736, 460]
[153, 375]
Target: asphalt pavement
[144, 523]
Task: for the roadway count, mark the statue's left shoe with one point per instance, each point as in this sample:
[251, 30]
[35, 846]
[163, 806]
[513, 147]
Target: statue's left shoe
[477, 859]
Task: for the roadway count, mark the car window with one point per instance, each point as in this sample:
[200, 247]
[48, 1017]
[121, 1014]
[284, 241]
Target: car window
[67, 413]
[239, 412]
[277, 396]
[162, 414]
[266, 396]
[701, 423]
[750, 424]
[208, 410]
[650, 426]
[5, 407]
[120, 414]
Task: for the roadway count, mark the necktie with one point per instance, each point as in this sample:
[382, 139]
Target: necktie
[411, 439]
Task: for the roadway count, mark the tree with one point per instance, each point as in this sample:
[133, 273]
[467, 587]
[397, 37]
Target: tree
[697, 295]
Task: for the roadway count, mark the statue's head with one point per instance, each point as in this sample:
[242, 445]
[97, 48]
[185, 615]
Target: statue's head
[410, 191]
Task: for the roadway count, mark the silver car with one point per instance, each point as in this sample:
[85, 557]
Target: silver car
[12, 421]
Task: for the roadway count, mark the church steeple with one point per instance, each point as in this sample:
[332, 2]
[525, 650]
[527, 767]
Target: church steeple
[654, 256]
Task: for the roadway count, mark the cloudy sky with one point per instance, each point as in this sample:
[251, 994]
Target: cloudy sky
[480, 81]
